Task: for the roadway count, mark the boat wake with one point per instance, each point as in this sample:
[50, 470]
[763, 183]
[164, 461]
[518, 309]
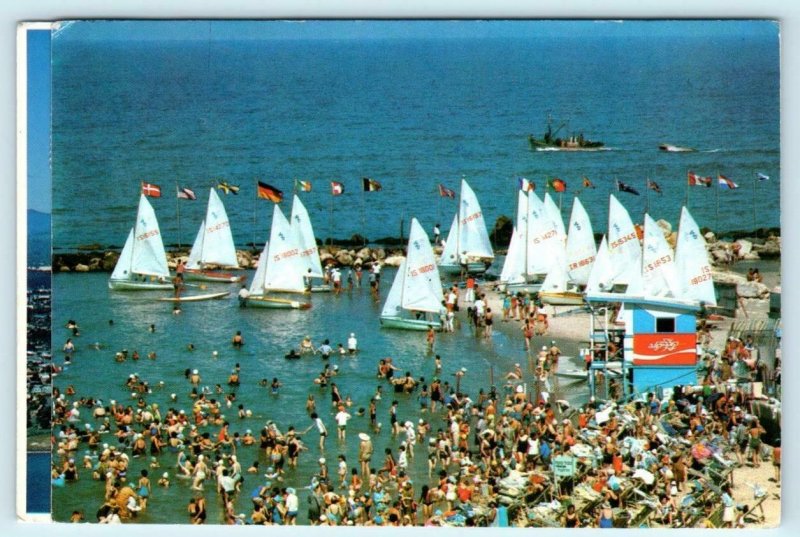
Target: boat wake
[711, 151]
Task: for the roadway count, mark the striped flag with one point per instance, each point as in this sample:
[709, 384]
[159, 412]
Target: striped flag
[305, 186]
[652, 185]
[525, 185]
[724, 182]
[186, 194]
[696, 180]
[446, 192]
[228, 188]
[337, 188]
[557, 185]
[269, 192]
[370, 185]
[151, 190]
[762, 177]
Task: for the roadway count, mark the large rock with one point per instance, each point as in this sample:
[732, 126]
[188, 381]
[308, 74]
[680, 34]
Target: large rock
[379, 254]
[244, 258]
[325, 256]
[665, 226]
[95, 263]
[710, 237]
[771, 248]
[727, 277]
[742, 247]
[80, 267]
[720, 255]
[364, 254]
[63, 268]
[344, 258]
[394, 260]
[751, 256]
[110, 261]
[752, 290]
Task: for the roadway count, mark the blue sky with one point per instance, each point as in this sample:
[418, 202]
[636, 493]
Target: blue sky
[388, 29]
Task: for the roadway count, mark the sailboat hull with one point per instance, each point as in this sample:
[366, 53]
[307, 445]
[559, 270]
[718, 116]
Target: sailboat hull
[403, 323]
[131, 285]
[531, 287]
[196, 298]
[472, 268]
[566, 298]
[211, 276]
[322, 288]
[276, 303]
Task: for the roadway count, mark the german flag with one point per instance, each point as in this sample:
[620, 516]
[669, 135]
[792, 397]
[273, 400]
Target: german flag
[370, 185]
[268, 192]
[557, 185]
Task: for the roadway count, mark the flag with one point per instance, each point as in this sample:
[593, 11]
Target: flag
[557, 185]
[337, 188]
[305, 186]
[587, 183]
[696, 180]
[525, 185]
[762, 177]
[228, 188]
[446, 192]
[622, 187]
[269, 192]
[724, 182]
[151, 190]
[370, 185]
[652, 185]
[186, 194]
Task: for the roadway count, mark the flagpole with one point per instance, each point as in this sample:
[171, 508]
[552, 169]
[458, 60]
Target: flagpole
[255, 214]
[755, 226]
[178, 212]
[687, 191]
[363, 225]
[646, 195]
[330, 220]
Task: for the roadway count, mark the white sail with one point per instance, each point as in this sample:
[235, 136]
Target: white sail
[392, 307]
[422, 288]
[148, 257]
[122, 271]
[257, 285]
[285, 269]
[514, 264]
[196, 253]
[601, 278]
[522, 211]
[557, 278]
[542, 237]
[691, 260]
[554, 212]
[217, 246]
[473, 239]
[623, 245]
[301, 223]
[658, 262]
[450, 250]
[581, 250]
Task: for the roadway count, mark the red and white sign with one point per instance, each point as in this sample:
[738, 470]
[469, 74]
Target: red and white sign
[664, 349]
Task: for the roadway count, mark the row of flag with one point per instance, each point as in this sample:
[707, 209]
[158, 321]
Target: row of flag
[271, 193]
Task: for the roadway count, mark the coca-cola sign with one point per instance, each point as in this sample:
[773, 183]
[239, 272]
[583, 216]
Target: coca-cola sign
[664, 349]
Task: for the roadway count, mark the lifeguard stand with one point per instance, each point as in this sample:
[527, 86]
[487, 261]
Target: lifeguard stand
[659, 345]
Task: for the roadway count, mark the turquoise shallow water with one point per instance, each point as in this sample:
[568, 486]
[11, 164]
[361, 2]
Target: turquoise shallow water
[268, 336]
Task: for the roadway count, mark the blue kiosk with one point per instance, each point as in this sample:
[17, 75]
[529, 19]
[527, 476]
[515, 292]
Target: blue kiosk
[657, 346]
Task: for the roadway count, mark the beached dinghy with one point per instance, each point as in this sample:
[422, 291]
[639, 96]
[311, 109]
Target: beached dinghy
[467, 242]
[197, 298]
[213, 246]
[279, 269]
[301, 225]
[142, 265]
[415, 299]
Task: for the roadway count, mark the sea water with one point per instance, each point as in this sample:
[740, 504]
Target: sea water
[411, 114]
[268, 334]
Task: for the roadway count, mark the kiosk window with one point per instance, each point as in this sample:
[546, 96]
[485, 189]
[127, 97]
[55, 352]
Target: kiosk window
[665, 324]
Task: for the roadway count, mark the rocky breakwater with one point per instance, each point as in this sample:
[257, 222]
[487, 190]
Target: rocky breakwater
[105, 261]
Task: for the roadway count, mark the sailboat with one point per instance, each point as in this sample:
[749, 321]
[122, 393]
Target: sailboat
[694, 281]
[624, 248]
[280, 268]
[415, 299]
[467, 241]
[213, 246]
[142, 265]
[301, 224]
[659, 277]
[601, 278]
[572, 268]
